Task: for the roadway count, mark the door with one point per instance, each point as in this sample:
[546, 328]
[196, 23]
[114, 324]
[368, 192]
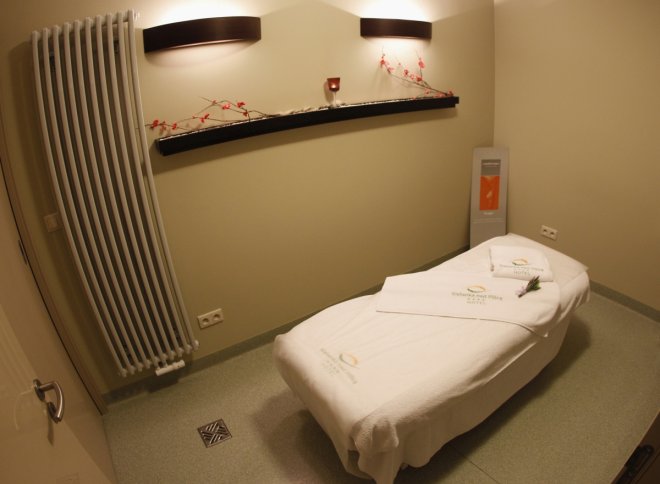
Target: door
[33, 448]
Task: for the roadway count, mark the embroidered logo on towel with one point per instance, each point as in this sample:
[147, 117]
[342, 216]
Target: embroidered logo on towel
[520, 262]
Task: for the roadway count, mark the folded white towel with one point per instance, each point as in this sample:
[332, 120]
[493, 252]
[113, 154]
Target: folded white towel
[518, 262]
[471, 296]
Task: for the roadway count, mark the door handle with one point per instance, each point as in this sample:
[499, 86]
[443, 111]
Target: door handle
[55, 412]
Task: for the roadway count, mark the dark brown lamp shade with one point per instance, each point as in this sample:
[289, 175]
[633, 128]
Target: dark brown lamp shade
[201, 31]
[387, 27]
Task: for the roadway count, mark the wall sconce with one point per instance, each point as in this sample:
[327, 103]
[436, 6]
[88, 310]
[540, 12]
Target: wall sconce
[386, 27]
[201, 31]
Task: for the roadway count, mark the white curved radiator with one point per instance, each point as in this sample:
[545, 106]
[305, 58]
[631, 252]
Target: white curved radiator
[94, 136]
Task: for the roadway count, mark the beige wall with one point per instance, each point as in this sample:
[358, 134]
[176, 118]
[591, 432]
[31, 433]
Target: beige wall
[275, 227]
[577, 102]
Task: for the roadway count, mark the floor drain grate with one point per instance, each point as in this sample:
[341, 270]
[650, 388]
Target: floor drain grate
[214, 433]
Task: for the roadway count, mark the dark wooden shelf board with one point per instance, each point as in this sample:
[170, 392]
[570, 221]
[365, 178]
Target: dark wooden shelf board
[223, 133]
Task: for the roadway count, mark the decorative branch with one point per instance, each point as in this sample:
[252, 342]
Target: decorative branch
[413, 79]
[204, 115]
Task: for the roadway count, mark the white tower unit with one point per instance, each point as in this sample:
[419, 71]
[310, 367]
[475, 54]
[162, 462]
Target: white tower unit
[490, 173]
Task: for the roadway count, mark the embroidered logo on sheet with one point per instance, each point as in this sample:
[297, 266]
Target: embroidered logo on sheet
[332, 364]
[520, 262]
[476, 289]
[349, 359]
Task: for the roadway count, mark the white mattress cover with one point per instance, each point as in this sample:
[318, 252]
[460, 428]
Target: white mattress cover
[396, 387]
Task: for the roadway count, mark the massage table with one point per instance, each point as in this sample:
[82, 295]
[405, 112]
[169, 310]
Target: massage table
[390, 385]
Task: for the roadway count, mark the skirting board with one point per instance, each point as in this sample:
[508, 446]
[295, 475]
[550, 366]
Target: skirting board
[627, 301]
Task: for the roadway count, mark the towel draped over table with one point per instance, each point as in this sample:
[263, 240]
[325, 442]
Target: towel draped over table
[470, 296]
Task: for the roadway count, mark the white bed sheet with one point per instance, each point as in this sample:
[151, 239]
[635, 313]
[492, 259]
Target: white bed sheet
[395, 387]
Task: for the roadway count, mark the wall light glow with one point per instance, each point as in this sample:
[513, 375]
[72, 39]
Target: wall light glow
[426, 10]
[180, 11]
[409, 10]
[170, 11]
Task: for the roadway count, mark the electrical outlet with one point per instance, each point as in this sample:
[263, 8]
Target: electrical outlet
[210, 318]
[549, 232]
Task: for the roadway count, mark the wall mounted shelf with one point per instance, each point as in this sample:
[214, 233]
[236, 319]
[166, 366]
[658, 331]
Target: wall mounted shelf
[223, 133]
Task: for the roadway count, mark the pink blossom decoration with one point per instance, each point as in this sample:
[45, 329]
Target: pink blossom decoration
[411, 78]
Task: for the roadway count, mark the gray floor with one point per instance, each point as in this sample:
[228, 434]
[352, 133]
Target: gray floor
[577, 422]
